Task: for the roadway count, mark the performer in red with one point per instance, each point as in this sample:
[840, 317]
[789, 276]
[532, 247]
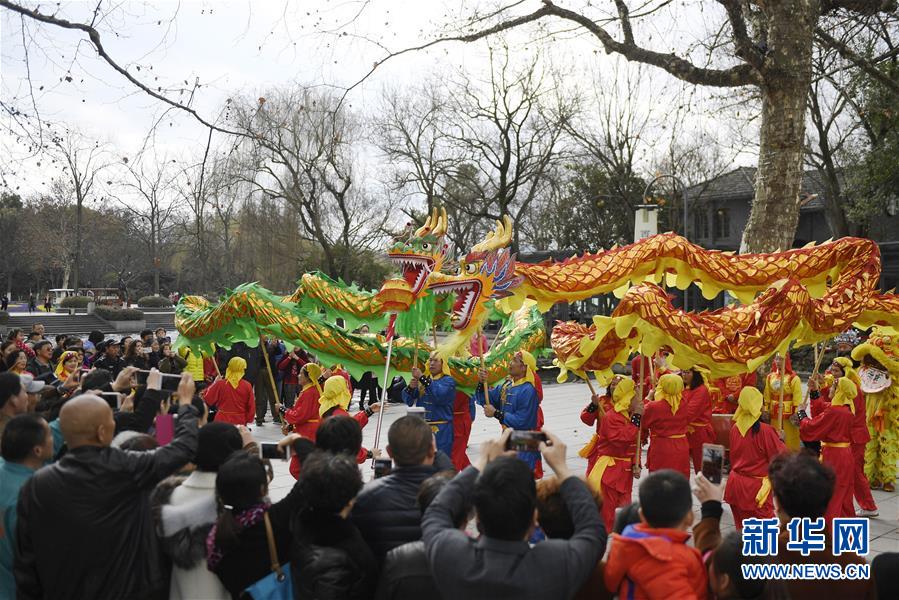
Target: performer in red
[592, 415]
[304, 417]
[611, 469]
[651, 372]
[792, 398]
[833, 427]
[699, 413]
[842, 367]
[752, 446]
[666, 419]
[233, 395]
[335, 400]
[463, 415]
[726, 390]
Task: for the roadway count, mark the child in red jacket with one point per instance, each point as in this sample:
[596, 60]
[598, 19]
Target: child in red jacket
[652, 559]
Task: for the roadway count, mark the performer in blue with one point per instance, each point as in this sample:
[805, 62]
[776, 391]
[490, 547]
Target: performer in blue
[436, 393]
[514, 402]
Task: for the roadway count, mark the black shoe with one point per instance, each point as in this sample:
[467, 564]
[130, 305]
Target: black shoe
[278, 422]
[260, 423]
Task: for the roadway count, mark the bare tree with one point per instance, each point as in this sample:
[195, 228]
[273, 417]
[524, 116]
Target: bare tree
[772, 43]
[304, 154]
[83, 162]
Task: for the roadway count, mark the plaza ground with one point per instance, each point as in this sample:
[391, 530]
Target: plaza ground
[562, 405]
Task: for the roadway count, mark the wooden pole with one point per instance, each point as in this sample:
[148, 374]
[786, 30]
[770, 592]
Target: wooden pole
[434, 332]
[639, 451]
[780, 416]
[819, 356]
[486, 383]
[268, 368]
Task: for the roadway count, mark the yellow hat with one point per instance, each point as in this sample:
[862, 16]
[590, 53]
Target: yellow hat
[236, 368]
[670, 389]
[444, 366]
[623, 395]
[749, 409]
[313, 371]
[335, 393]
[531, 363]
[845, 394]
[60, 371]
[848, 370]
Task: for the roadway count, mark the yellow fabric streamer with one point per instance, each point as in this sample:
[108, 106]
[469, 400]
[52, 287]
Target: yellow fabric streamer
[749, 409]
[599, 468]
[335, 393]
[587, 450]
[623, 395]
[845, 394]
[236, 368]
[764, 492]
[670, 389]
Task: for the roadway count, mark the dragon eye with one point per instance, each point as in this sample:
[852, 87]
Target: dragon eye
[426, 246]
[471, 268]
[459, 270]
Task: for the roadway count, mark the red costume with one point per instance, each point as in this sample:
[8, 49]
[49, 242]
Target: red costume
[590, 451]
[729, 387]
[614, 451]
[750, 456]
[362, 419]
[833, 427]
[304, 415]
[860, 436]
[463, 407]
[236, 405]
[668, 446]
[699, 430]
[647, 564]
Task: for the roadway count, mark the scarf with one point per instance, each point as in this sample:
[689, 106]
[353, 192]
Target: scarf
[670, 389]
[848, 371]
[312, 372]
[622, 396]
[61, 373]
[236, 368]
[335, 393]
[444, 367]
[531, 363]
[845, 394]
[246, 518]
[749, 409]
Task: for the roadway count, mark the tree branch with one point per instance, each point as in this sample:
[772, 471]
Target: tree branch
[862, 63]
[745, 49]
[94, 36]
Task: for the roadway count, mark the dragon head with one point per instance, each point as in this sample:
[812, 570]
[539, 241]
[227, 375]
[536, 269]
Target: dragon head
[423, 253]
[486, 273]
[880, 351]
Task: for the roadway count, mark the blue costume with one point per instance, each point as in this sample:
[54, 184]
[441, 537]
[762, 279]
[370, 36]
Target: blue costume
[438, 399]
[518, 403]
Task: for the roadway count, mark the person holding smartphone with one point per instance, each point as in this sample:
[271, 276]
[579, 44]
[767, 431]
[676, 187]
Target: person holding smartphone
[753, 444]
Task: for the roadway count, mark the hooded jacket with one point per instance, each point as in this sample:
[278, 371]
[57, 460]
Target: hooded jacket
[647, 563]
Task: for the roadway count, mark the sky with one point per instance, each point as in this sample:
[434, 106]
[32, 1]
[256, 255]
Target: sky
[241, 47]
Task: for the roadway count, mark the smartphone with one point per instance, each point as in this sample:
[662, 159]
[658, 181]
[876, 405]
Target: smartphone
[170, 381]
[113, 399]
[383, 466]
[525, 441]
[713, 462]
[271, 451]
[165, 429]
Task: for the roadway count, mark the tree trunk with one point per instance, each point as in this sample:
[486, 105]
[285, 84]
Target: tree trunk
[76, 267]
[787, 75]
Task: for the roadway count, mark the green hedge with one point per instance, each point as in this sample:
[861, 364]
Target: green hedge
[111, 313]
[75, 301]
[154, 302]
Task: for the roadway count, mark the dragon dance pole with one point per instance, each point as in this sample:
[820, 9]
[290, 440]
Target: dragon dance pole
[780, 403]
[486, 383]
[268, 368]
[639, 451]
[390, 335]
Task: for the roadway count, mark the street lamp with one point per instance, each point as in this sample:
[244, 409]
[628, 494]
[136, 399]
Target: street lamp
[684, 190]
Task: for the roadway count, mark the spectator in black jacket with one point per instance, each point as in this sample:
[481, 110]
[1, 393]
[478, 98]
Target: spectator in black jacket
[109, 358]
[386, 512]
[406, 572]
[41, 365]
[329, 557]
[85, 529]
[501, 564]
[237, 547]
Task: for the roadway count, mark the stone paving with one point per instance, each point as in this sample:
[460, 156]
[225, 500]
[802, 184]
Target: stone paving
[562, 405]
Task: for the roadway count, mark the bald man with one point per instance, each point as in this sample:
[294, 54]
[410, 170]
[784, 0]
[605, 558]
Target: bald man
[85, 529]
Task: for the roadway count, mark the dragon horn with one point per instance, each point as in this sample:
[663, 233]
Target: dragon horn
[430, 223]
[440, 223]
[498, 238]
